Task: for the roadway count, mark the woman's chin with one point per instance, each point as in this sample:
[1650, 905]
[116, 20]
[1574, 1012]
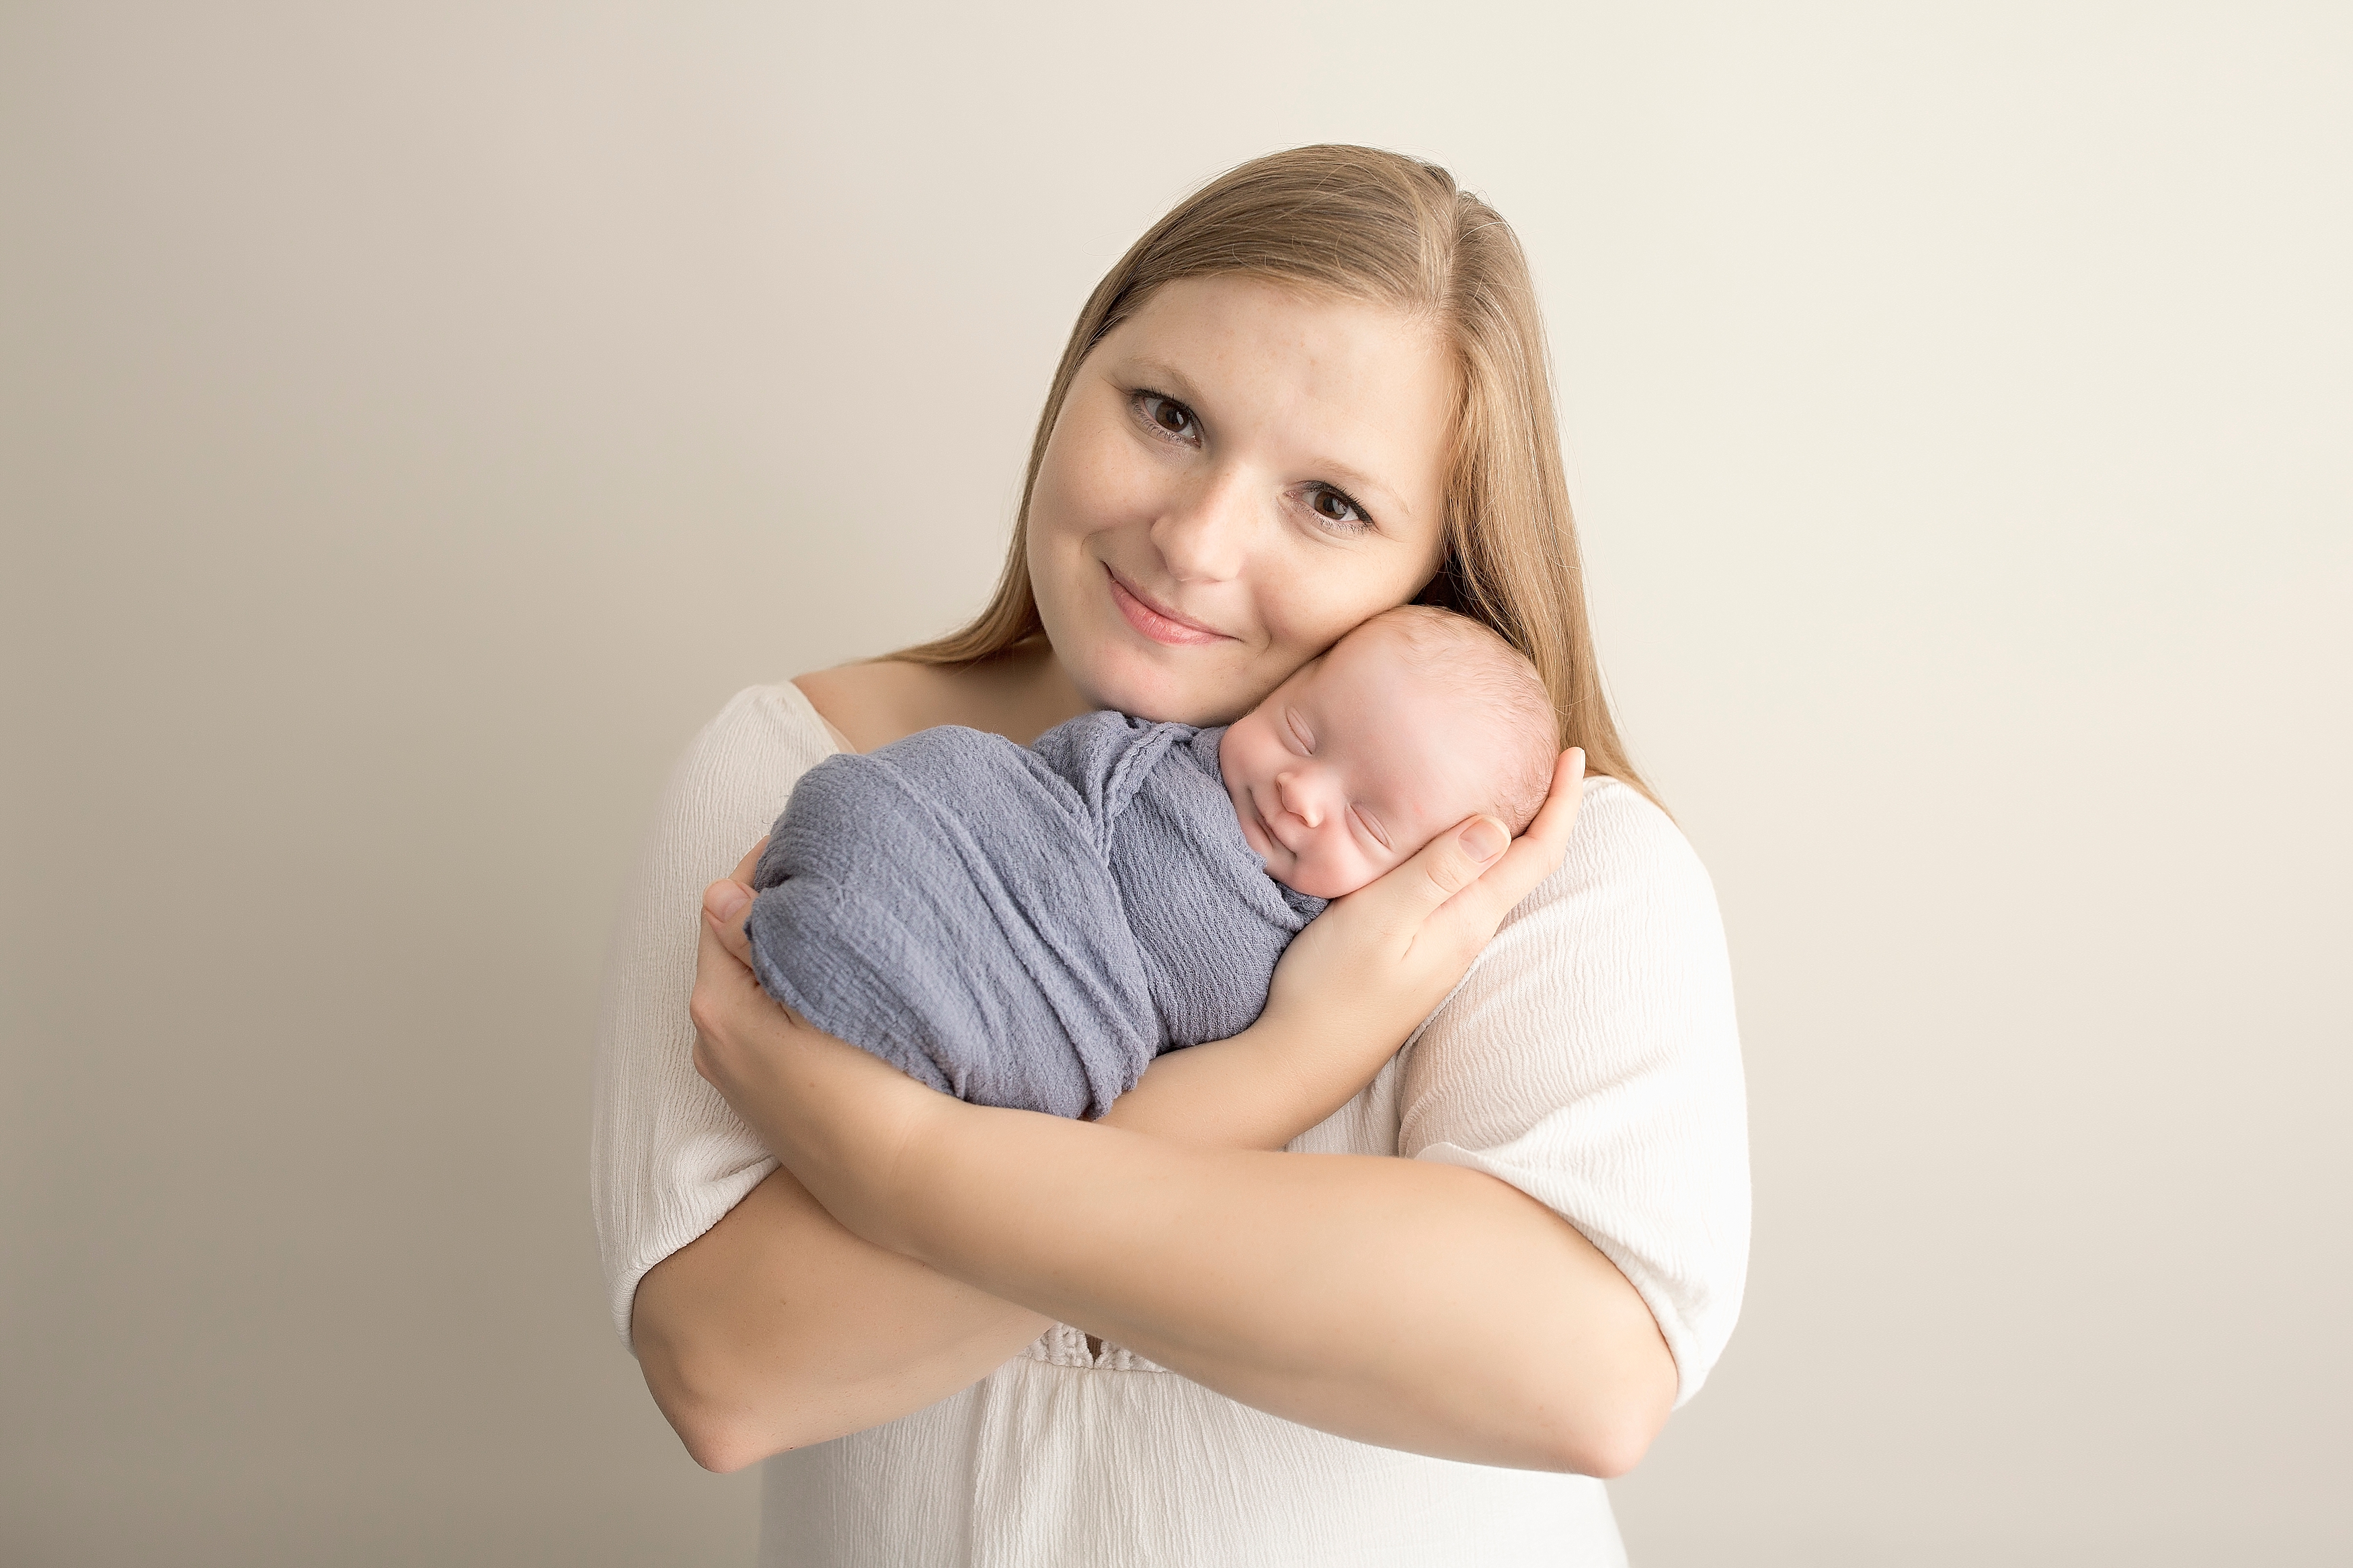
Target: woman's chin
[1176, 691]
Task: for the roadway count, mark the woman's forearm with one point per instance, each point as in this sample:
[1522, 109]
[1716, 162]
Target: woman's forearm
[1419, 1306]
[779, 1328]
[1410, 1304]
[1257, 1090]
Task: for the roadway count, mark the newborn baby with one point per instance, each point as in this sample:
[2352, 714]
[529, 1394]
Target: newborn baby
[1030, 927]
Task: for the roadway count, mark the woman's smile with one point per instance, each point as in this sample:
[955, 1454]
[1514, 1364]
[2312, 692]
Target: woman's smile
[1185, 539]
[1161, 624]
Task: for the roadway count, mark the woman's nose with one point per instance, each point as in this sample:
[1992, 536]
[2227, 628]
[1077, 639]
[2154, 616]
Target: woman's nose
[1206, 538]
[1298, 799]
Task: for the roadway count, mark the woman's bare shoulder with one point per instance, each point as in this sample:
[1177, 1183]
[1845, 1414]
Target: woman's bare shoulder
[1020, 695]
[871, 705]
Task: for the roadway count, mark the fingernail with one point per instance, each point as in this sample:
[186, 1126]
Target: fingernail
[1484, 839]
[725, 900]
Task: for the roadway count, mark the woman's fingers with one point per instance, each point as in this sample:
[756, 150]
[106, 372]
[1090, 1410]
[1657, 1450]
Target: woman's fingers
[1537, 854]
[1534, 855]
[721, 1003]
[724, 989]
[1477, 871]
[1361, 976]
[1559, 813]
[724, 901]
[1448, 864]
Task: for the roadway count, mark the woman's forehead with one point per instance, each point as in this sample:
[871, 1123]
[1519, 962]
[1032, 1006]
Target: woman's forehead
[1220, 329]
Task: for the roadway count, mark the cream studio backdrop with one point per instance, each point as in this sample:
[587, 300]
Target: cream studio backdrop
[419, 419]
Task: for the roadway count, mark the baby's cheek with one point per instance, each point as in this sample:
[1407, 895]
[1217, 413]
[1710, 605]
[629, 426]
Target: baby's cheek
[1356, 869]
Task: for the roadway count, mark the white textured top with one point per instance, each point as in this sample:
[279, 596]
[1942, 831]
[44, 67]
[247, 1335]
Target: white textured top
[1590, 1060]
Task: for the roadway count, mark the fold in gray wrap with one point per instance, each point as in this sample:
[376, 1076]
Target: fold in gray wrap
[1023, 928]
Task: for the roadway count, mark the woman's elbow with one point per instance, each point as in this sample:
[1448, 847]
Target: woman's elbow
[719, 1431]
[1606, 1449]
[1614, 1420]
[721, 1434]
[719, 1441]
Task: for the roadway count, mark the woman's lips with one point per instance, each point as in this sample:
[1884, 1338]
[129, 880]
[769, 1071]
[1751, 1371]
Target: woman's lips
[1161, 625]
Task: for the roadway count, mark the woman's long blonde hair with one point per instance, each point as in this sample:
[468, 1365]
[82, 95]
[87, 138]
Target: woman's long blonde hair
[1361, 224]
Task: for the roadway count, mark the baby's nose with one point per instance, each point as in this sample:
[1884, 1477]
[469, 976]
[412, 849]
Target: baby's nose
[1298, 800]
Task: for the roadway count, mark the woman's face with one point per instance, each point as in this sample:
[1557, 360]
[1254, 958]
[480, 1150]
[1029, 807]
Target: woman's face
[1240, 474]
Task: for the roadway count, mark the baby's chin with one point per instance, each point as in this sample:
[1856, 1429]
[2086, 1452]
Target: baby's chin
[1317, 882]
[1320, 884]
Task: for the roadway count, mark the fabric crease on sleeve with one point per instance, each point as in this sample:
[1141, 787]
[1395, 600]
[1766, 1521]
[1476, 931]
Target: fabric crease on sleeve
[1592, 1060]
[667, 1158]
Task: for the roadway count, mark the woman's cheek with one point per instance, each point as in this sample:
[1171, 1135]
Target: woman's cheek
[1097, 477]
[1307, 604]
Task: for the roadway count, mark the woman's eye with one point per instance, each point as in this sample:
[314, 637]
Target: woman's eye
[1337, 510]
[1167, 416]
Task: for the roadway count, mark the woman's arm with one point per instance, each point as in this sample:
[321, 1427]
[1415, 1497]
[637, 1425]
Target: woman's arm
[761, 1323]
[1416, 1305]
[779, 1328]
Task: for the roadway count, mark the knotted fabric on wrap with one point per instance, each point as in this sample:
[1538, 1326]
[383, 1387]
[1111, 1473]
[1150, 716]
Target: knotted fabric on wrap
[1022, 927]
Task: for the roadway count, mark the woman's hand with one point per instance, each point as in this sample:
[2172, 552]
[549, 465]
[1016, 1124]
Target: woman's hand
[1364, 974]
[837, 1117]
[1347, 993]
[1417, 1305]
[779, 1327]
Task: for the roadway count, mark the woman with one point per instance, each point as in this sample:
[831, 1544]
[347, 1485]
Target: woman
[1314, 391]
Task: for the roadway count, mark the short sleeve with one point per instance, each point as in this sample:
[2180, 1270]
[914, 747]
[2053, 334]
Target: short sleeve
[1592, 1059]
[667, 1158]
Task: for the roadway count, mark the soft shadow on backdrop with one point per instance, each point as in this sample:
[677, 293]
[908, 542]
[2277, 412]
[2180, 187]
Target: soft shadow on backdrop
[411, 418]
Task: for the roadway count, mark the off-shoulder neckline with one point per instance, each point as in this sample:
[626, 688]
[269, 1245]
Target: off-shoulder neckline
[797, 703]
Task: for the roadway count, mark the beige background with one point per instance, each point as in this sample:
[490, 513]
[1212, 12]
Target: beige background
[415, 419]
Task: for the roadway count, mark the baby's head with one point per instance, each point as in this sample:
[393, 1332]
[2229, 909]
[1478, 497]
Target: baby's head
[1412, 722]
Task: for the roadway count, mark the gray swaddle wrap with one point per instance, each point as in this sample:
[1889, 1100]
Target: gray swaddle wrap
[1022, 927]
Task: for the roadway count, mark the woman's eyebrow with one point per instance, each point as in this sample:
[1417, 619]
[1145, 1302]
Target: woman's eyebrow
[1166, 378]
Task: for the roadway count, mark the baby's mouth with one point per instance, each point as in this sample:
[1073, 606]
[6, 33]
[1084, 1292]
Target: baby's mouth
[1255, 831]
[1266, 825]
